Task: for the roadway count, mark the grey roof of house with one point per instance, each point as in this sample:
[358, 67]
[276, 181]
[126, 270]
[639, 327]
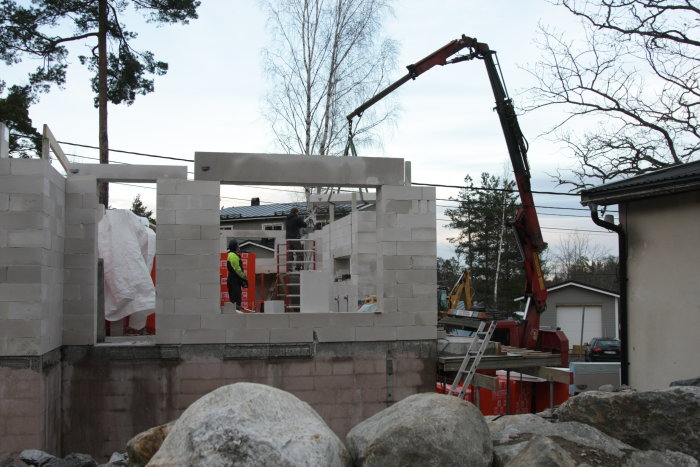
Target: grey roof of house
[675, 179]
[274, 210]
[263, 210]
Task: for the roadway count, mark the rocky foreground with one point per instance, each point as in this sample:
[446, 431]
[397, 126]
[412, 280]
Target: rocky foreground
[247, 424]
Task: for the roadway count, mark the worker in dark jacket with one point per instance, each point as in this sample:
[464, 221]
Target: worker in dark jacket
[293, 225]
[236, 275]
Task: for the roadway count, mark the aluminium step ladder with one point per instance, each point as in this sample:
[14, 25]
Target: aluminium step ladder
[483, 339]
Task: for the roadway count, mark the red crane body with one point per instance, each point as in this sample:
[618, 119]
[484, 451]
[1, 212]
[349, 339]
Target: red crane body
[525, 223]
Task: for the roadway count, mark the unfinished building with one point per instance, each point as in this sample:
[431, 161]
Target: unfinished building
[65, 388]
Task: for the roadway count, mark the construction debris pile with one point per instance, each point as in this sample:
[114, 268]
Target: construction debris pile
[250, 424]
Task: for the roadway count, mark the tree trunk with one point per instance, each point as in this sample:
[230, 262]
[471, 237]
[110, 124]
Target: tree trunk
[102, 96]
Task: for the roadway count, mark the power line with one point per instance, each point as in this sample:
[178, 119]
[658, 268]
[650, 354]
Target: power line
[413, 183]
[129, 152]
[476, 188]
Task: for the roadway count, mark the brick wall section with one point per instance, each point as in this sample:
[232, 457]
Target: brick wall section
[109, 398]
[187, 262]
[32, 210]
[83, 213]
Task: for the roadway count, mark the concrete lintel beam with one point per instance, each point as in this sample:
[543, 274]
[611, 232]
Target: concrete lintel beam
[341, 198]
[130, 173]
[297, 170]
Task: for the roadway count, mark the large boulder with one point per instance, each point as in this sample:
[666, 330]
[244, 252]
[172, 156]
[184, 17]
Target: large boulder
[246, 424]
[667, 419]
[525, 442]
[422, 430]
[141, 448]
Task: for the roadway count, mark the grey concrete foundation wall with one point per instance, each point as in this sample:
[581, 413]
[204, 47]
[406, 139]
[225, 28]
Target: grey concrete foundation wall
[111, 394]
[30, 403]
[32, 212]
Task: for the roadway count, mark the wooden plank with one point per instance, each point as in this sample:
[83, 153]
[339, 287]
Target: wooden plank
[50, 142]
[558, 375]
[485, 381]
[503, 362]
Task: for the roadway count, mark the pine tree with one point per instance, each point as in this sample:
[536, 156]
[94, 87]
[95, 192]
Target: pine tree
[140, 209]
[486, 243]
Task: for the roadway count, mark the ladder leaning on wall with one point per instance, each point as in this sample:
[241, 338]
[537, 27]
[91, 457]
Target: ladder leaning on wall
[290, 263]
[481, 339]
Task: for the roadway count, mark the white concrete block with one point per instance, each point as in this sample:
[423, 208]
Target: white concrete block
[397, 262]
[193, 305]
[203, 336]
[4, 201]
[409, 333]
[351, 320]
[394, 233]
[415, 276]
[198, 217]
[267, 321]
[29, 238]
[418, 304]
[417, 221]
[416, 248]
[196, 247]
[424, 262]
[335, 334]
[393, 319]
[247, 336]
[178, 232]
[165, 247]
[165, 217]
[377, 334]
[274, 306]
[27, 202]
[29, 167]
[388, 192]
[81, 184]
[180, 322]
[291, 335]
[315, 291]
[292, 169]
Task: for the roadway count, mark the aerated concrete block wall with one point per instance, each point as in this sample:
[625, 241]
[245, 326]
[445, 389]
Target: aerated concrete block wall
[406, 253]
[32, 212]
[83, 214]
[350, 242]
[187, 263]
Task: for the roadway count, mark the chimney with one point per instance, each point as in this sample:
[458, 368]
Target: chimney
[255, 201]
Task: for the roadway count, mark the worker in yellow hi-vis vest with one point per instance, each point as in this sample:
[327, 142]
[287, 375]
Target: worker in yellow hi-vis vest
[236, 275]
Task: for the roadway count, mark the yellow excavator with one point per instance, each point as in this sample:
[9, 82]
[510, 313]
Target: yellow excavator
[461, 292]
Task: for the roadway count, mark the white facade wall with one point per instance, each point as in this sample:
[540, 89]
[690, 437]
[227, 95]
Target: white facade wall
[664, 297]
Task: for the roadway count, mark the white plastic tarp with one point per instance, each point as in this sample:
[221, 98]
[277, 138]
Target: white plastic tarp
[127, 246]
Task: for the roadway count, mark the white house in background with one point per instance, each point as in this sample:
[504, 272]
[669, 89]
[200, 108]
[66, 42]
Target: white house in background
[581, 311]
[660, 225]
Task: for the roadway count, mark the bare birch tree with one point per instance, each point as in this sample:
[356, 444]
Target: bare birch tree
[327, 57]
[630, 89]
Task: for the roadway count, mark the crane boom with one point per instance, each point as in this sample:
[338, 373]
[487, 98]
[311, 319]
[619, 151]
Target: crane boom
[525, 223]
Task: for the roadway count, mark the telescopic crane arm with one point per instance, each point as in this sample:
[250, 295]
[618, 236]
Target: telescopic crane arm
[525, 224]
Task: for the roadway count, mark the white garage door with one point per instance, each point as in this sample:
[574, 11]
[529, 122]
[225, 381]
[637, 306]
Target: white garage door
[572, 319]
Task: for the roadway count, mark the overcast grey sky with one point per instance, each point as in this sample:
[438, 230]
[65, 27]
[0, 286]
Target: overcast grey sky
[210, 100]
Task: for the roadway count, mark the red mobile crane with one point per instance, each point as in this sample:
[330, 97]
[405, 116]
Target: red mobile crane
[525, 333]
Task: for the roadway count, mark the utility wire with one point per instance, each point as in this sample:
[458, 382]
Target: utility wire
[413, 183]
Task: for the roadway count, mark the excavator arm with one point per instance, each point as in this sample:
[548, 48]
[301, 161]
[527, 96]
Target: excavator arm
[526, 223]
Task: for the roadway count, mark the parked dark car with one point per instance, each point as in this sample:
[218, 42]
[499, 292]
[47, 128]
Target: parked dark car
[603, 349]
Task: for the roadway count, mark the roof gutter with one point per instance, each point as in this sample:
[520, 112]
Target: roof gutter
[622, 272]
